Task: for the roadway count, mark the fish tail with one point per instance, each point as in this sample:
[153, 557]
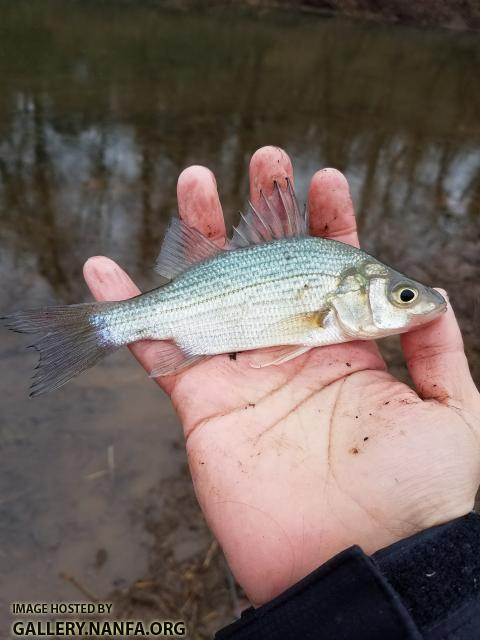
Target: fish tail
[73, 341]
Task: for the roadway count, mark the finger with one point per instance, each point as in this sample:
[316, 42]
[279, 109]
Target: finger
[268, 164]
[272, 163]
[199, 207]
[198, 202]
[330, 207]
[437, 363]
[109, 282]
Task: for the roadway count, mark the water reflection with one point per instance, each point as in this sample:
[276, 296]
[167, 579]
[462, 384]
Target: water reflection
[103, 105]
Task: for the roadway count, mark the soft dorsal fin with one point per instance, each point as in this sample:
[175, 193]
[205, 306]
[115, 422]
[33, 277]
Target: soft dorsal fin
[182, 248]
[276, 216]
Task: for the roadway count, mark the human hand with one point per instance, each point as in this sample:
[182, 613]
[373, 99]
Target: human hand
[292, 464]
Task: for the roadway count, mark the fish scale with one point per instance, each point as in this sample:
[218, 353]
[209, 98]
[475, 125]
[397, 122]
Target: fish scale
[244, 294]
[272, 285]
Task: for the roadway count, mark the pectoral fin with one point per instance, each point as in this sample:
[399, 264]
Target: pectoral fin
[303, 322]
[297, 325]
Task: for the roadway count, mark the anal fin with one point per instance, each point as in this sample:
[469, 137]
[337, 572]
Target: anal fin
[170, 359]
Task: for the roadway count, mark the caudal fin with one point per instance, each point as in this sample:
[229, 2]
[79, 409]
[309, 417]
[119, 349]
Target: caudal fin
[71, 341]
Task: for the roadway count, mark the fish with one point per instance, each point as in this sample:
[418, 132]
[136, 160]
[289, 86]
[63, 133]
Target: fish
[271, 285]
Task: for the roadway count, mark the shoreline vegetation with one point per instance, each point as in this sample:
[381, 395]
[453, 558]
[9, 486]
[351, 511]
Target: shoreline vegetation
[459, 15]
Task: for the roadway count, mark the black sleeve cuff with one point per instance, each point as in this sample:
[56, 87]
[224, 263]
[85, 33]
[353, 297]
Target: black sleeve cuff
[437, 575]
[345, 598]
[426, 586]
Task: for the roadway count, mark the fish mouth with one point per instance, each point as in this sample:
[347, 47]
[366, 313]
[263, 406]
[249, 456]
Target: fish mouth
[440, 307]
[439, 304]
[439, 300]
[436, 311]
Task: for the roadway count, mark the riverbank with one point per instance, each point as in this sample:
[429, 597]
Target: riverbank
[460, 15]
[452, 14]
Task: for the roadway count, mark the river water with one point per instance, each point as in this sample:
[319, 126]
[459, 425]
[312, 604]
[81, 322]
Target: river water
[102, 105]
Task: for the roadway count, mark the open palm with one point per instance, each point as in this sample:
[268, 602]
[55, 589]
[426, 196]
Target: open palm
[292, 464]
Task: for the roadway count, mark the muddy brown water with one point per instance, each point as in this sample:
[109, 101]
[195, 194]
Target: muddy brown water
[102, 105]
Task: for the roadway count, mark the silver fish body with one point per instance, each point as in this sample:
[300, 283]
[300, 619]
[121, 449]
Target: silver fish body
[296, 291]
[237, 300]
[273, 285]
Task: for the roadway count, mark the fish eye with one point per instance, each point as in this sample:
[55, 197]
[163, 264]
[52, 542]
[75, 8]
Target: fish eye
[404, 295]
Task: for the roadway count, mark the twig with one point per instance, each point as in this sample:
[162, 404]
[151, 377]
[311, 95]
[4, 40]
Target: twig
[88, 594]
[233, 591]
[111, 462]
[212, 549]
[96, 474]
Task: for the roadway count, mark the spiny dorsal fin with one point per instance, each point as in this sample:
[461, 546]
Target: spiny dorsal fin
[276, 216]
[182, 248]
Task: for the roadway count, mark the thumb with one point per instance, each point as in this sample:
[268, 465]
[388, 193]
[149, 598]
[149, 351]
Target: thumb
[437, 363]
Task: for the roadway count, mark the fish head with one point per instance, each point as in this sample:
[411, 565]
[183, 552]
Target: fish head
[374, 300]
